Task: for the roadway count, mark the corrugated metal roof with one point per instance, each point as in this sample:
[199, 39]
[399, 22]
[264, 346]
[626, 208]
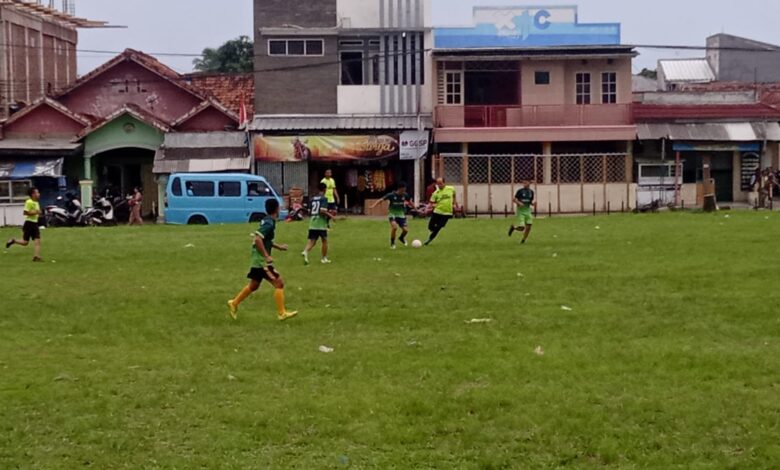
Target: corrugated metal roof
[687, 70]
[196, 140]
[39, 144]
[206, 165]
[715, 132]
[340, 122]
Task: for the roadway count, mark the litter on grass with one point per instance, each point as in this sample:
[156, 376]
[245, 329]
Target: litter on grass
[231, 378]
[566, 309]
[479, 320]
[555, 255]
[189, 245]
[539, 351]
[326, 350]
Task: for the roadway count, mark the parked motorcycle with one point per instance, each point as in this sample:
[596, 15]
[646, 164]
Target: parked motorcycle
[102, 212]
[68, 212]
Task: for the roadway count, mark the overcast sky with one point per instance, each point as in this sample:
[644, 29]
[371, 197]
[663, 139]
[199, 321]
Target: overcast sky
[188, 26]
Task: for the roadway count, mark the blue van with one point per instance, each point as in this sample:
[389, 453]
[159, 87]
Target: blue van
[217, 198]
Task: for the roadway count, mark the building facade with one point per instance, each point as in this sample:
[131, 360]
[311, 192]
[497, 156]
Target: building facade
[529, 93]
[341, 85]
[37, 52]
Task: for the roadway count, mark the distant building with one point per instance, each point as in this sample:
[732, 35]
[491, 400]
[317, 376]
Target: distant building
[37, 52]
[342, 85]
[530, 93]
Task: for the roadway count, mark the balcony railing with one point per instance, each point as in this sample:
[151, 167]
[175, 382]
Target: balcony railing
[534, 116]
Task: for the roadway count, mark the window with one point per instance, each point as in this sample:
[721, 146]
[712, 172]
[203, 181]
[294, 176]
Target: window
[258, 189]
[454, 87]
[14, 191]
[542, 77]
[315, 47]
[176, 187]
[230, 189]
[296, 47]
[609, 87]
[200, 188]
[583, 88]
[352, 68]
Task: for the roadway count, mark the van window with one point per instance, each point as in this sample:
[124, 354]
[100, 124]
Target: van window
[230, 189]
[258, 188]
[200, 188]
[176, 187]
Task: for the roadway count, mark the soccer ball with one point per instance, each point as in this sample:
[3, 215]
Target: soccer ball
[417, 244]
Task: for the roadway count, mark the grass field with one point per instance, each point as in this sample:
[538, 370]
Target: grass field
[118, 351]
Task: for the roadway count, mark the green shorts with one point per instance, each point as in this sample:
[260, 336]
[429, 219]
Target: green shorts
[525, 217]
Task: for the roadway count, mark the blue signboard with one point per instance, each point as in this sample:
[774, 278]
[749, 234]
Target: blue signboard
[527, 27]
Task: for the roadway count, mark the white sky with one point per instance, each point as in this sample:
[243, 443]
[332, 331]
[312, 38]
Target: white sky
[188, 26]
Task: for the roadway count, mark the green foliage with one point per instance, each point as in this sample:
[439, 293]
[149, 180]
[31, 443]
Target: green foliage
[235, 56]
[121, 354]
[653, 74]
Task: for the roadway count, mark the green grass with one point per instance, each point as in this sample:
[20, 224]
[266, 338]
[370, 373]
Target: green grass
[121, 354]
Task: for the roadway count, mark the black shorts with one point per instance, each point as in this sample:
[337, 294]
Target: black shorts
[315, 235]
[333, 207]
[263, 274]
[438, 221]
[31, 231]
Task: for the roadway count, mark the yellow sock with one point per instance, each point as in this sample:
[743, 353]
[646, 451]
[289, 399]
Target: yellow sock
[245, 292]
[279, 297]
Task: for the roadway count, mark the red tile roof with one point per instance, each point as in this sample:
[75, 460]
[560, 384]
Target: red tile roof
[228, 89]
[656, 112]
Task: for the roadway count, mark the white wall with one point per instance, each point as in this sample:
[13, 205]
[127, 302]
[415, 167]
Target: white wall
[362, 14]
[359, 99]
[11, 215]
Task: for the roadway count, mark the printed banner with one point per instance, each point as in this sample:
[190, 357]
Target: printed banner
[334, 147]
[414, 145]
[750, 163]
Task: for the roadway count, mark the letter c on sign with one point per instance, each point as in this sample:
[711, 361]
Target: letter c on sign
[542, 19]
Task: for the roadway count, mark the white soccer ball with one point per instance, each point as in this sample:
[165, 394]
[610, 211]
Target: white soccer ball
[417, 244]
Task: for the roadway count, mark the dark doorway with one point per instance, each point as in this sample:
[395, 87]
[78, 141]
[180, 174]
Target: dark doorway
[492, 88]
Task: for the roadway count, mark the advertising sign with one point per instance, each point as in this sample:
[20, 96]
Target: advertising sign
[750, 163]
[333, 147]
[414, 145]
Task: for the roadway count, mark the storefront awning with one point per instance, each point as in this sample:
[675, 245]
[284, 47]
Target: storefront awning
[203, 152]
[341, 122]
[712, 132]
[23, 168]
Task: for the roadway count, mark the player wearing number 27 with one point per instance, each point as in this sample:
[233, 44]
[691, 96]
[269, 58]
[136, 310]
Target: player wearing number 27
[318, 225]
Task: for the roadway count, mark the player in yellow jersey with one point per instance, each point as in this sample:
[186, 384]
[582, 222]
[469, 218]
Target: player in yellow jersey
[31, 230]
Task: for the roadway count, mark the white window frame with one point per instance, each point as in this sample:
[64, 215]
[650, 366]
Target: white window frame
[287, 47]
[12, 198]
[457, 96]
[607, 95]
[577, 93]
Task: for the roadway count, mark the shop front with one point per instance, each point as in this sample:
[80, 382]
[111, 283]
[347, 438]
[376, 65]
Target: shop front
[365, 167]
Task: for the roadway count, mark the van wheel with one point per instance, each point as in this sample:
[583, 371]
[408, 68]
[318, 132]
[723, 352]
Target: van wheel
[197, 220]
[256, 217]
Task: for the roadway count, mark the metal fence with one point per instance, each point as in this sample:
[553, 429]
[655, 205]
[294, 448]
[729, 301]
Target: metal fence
[497, 176]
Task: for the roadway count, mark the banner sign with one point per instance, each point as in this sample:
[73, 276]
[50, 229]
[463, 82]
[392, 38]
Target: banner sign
[333, 147]
[414, 145]
[750, 163]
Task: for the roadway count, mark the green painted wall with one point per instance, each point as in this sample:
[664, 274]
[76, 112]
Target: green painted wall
[125, 131]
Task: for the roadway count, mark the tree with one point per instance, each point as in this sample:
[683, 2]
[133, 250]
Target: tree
[235, 56]
[653, 74]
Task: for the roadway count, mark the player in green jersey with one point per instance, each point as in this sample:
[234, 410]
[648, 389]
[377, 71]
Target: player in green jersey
[524, 200]
[262, 268]
[399, 201]
[318, 224]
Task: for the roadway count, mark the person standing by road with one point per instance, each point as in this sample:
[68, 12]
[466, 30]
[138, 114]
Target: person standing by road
[135, 207]
[31, 230]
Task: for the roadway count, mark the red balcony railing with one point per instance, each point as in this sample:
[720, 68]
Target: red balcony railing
[534, 116]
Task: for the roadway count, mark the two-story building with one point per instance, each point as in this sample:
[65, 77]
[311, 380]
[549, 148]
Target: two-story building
[529, 93]
[342, 85]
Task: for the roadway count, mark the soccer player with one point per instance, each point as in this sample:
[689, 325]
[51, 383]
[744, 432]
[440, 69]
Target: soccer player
[30, 230]
[318, 225]
[444, 202]
[399, 200]
[263, 264]
[331, 193]
[524, 200]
